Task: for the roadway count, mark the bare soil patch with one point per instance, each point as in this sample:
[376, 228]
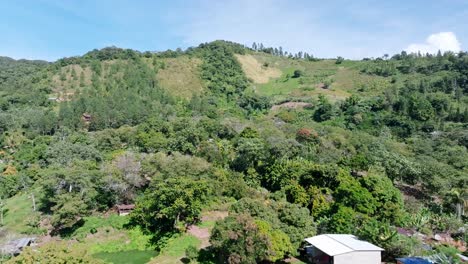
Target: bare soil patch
[202, 233]
[291, 105]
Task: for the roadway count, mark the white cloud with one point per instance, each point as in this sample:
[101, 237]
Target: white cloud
[443, 41]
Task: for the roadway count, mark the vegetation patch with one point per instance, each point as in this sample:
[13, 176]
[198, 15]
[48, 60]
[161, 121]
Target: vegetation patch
[174, 251]
[257, 72]
[19, 216]
[127, 257]
[180, 76]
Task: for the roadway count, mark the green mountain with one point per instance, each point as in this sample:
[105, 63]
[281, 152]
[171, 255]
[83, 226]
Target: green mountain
[275, 146]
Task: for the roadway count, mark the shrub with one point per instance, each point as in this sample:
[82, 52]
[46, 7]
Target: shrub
[297, 74]
[191, 253]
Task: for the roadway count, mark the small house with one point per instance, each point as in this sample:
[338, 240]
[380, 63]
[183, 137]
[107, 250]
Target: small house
[125, 209]
[341, 249]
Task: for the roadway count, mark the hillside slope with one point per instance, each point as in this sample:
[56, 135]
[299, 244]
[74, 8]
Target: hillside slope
[282, 146]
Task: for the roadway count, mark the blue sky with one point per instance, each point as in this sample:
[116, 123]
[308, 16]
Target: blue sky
[51, 29]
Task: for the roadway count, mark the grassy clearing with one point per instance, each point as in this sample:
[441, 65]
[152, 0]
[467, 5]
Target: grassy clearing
[93, 223]
[181, 77]
[342, 79]
[18, 213]
[113, 240]
[280, 86]
[207, 224]
[174, 251]
[108, 234]
[257, 72]
[127, 257]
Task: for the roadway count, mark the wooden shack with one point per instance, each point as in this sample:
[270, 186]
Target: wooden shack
[125, 209]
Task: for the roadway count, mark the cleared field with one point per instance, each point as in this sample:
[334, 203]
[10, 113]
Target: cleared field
[336, 81]
[174, 252]
[256, 71]
[181, 76]
[18, 213]
[127, 257]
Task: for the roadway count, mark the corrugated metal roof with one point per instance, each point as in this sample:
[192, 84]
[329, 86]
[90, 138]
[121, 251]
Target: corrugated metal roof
[23, 242]
[337, 244]
[414, 260]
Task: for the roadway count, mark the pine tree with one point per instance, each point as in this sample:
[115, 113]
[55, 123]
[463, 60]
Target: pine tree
[73, 74]
[82, 81]
[465, 115]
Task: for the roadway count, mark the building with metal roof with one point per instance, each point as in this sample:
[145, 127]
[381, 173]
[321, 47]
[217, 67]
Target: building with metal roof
[341, 249]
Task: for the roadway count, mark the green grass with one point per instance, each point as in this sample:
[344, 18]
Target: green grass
[93, 223]
[127, 257]
[345, 78]
[281, 86]
[181, 76]
[174, 251]
[108, 234]
[206, 224]
[18, 212]
[112, 240]
[177, 245]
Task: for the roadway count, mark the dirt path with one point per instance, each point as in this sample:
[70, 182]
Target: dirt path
[202, 233]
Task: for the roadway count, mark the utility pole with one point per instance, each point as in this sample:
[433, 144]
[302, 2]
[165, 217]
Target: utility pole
[1, 211]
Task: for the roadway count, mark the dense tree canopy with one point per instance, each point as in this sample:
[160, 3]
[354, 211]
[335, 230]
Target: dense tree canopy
[389, 150]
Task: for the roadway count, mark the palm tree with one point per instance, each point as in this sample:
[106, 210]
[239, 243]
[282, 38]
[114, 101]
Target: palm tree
[458, 198]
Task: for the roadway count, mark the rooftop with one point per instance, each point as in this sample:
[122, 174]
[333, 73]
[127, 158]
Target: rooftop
[414, 260]
[125, 206]
[337, 244]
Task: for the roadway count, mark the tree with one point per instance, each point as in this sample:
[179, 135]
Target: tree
[344, 220]
[254, 46]
[351, 194]
[324, 110]
[124, 177]
[169, 206]
[250, 153]
[67, 211]
[457, 199]
[237, 239]
[297, 74]
[191, 252]
[280, 244]
[339, 60]
[292, 219]
[54, 253]
[389, 201]
[71, 193]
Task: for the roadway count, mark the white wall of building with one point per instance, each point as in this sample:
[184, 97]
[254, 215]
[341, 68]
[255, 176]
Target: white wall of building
[358, 257]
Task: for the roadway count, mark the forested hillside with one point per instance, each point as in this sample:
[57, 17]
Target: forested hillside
[256, 146]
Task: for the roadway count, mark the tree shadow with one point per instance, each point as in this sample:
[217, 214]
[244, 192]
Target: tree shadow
[68, 231]
[5, 212]
[185, 260]
[208, 256]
